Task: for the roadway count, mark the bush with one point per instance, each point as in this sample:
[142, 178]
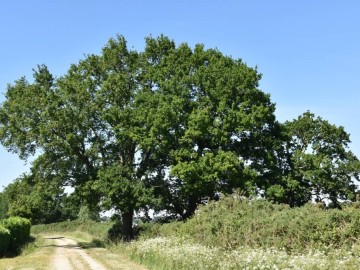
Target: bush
[19, 231]
[233, 222]
[96, 229]
[115, 232]
[4, 239]
[86, 214]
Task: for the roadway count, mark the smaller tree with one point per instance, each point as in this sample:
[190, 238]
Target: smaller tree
[17, 194]
[318, 163]
[39, 200]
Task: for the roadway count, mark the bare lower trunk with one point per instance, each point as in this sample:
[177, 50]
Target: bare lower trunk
[191, 207]
[127, 224]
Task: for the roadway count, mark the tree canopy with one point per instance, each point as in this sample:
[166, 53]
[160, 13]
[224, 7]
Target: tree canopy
[169, 128]
[319, 162]
[3, 205]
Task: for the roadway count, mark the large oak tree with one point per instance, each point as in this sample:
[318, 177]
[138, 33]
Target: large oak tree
[167, 128]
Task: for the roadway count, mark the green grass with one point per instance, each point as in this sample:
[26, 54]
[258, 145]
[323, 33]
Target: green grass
[31, 254]
[31, 246]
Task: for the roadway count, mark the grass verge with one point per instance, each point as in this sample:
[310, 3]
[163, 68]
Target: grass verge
[31, 255]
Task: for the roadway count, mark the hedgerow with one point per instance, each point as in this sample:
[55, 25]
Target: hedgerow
[96, 229]
[234, 222]
[19, 229]
[4, 239]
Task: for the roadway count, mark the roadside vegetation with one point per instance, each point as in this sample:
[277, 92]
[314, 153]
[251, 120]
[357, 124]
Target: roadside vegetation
[40, 251]
[234, 221]
[236, 233]
[14, 233]
[97, 230]
[29, 255]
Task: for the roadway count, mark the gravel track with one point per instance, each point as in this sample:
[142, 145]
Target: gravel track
[69, 256]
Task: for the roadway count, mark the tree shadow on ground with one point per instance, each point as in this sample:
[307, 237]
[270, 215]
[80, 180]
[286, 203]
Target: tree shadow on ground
[95, 243]
[57, 237]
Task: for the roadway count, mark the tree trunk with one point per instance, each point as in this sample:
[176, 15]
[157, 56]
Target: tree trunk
[127, 223]
[191, 207]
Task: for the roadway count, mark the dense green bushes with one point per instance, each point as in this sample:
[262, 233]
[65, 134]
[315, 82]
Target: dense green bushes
[14, 231]
[233, 222]
[96, 229]
[239, 233]
[4, 239]
[242, 233]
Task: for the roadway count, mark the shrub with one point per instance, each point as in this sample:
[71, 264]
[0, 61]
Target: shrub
[96, 229]
[4, 239]
[86, 214]
[233, 222]
[19, 231]
[115, 232]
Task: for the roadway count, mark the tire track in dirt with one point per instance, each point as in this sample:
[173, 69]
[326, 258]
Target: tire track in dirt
[69, 256]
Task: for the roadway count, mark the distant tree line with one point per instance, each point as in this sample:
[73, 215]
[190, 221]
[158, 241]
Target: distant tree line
[167, 128]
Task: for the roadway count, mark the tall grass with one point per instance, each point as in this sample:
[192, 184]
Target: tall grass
[173, 253]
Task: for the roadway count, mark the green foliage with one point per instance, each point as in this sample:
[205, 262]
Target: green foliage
[3, 205]
[167, 128]
[4, 239]
[19, 229]
[17, 194]
[96, 229]
[86, 214]
[209, 121]
[115, 123]
[115, 231]
[40, 201]
[235, 221]
[123, 191]
[317, 163]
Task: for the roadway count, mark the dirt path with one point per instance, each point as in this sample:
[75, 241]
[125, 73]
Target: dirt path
[69, 256]
[63, 252]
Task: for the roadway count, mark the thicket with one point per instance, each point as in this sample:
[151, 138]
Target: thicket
[14, 232]
[237, 232]
[235, 221]
[97, 230]
[4, 239]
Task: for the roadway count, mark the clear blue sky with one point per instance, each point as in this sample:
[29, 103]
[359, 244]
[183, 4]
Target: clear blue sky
[308, 51]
